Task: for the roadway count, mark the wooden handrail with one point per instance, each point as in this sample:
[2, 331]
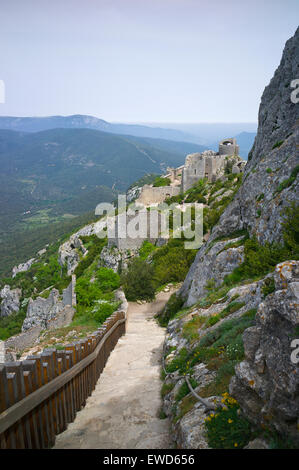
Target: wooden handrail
[41, 395]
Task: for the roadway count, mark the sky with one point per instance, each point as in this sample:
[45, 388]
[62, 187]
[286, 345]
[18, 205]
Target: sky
[141, 60]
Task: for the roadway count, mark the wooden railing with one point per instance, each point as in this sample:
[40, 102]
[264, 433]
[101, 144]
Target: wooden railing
[42, 394]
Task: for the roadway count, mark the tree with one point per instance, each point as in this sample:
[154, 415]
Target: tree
[137, 280]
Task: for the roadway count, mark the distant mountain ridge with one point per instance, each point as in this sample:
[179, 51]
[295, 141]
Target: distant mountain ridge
[36, 124]
[63, 172]
[207, 135]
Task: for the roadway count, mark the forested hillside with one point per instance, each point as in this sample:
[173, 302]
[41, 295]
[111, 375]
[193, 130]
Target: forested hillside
[50, 177]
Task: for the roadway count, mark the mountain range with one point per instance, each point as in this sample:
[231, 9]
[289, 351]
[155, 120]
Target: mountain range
[206, 134]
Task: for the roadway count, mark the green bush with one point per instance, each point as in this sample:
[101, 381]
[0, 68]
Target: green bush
[291, 230]
[289, 181]
[93, 250]
[103, 311]
[137, 280]
[174, 199]
[197, 192]
[174, 305]
[260, 259]
[226, 428]
[160, 181]
[179, 362]
[184, 390]
[146, 249]
[268, 286]
[11, 325]
[277, 144]
[87, 292]
[166, 388]
[260, 197]
[108, 279]
[171, 262]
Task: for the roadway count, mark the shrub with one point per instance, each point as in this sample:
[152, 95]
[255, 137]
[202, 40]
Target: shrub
[197, 192]
[104, 311]
[146, 249]
[137, 280]
[190, 329]
[11, 325]
[278, 144]
[174, 199]
[160, 181]
[291, 229]
[179, 362]
[166, 388]
[171, 262]
[172, 267]
[226, 428]
[87, 292]
[108, 279]
[184, 389]
[268, 286]
[93, 250]
[259, 260]
[174, 304]
[289, 181]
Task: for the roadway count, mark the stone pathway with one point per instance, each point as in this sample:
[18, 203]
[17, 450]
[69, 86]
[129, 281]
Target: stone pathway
[122, 412]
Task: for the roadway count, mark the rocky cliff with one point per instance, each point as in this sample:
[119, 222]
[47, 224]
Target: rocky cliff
[270, 180]
[235, 334]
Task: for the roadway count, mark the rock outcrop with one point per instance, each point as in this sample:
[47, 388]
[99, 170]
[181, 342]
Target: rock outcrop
[266, 384]
[23, 267]
[270, 181]
[267, 188]
[10, 302]
[114, 258]
[212, 263]
[71, 252]
[41, 310]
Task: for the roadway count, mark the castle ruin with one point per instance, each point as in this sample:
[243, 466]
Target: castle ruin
[208, 164]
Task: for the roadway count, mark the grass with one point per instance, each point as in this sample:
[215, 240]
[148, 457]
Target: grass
[184, 390]
[186, 405]
[166, 388]
[190, 329]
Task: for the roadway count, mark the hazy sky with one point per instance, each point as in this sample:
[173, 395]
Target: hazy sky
[142, 60]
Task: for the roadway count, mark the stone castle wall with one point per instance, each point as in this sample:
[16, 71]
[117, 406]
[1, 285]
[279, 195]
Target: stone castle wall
[151, 195]
[152, 221]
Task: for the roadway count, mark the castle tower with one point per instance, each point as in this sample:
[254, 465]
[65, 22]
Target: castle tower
[229, 147]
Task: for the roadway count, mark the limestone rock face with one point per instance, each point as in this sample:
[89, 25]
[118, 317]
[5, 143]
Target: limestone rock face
[23, 267]
[114, 258]
[10, 301]
[266, 384]
[133, 193]
[260, 203]
[210, 264]
[69, 253]
[41, 310]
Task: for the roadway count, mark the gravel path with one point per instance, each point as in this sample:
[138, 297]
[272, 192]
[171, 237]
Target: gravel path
[122, 412]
